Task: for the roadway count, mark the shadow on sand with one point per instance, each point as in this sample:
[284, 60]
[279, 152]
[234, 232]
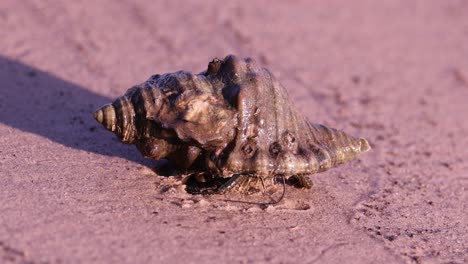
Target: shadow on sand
[38, 102]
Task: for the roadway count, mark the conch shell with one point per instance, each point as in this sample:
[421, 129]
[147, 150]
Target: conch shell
[233, 121]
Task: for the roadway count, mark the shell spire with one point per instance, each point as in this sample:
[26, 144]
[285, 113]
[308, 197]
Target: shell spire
[118, 117]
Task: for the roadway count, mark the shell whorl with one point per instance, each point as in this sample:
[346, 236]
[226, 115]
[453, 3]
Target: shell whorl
[273, 138]
[118, 117]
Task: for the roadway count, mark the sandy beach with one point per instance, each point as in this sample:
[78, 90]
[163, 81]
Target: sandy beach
[393, 72]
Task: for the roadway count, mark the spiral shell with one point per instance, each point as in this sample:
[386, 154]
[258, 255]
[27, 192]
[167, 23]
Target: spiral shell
[234, 118]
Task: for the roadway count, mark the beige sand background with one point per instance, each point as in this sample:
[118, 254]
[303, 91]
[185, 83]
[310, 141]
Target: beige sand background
[395, 72]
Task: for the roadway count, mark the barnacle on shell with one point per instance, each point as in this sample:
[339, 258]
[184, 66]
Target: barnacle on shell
[234, 119]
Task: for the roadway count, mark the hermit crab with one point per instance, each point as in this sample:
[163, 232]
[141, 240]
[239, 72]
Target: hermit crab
[228, 127]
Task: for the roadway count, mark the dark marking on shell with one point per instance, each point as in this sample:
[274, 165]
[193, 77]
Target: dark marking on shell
[234, 118]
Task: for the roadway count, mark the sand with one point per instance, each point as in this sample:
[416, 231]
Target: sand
[394, 72]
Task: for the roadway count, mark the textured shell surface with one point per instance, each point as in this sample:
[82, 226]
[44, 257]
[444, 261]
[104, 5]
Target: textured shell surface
[234, 118]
